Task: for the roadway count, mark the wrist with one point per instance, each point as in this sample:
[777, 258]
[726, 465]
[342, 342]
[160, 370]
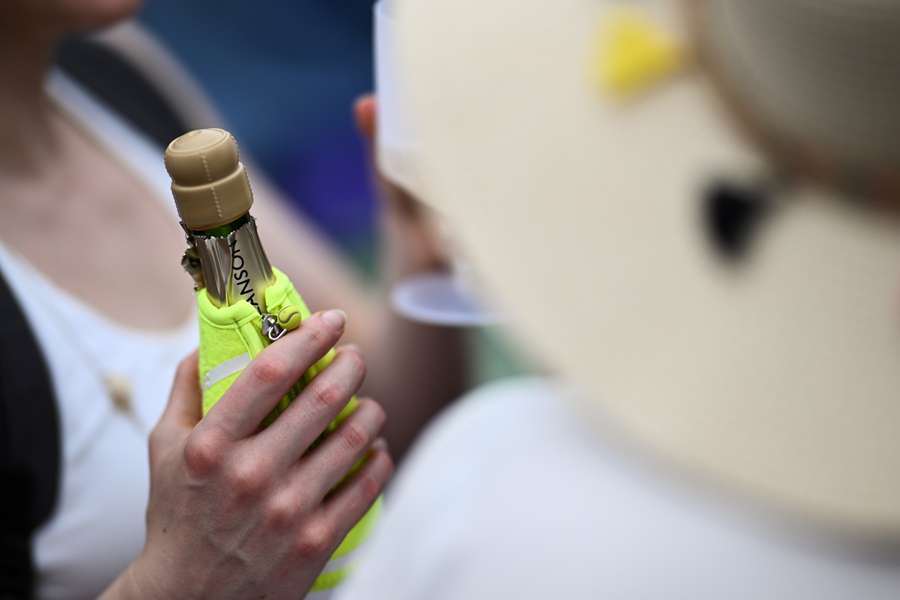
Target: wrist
[138, 582]
[124, 587]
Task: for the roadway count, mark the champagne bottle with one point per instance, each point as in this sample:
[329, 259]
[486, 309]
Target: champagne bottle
[233, 278]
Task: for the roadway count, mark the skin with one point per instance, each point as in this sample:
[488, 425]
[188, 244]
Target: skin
[236, 512]
[231, 510]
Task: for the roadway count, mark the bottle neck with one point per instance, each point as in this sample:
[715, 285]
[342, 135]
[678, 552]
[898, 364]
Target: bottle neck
[233, 263]
[224, 230]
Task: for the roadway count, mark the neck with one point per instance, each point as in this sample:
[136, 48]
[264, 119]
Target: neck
[25, 58]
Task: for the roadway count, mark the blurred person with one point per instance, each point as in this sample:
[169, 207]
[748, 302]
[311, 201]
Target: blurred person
[97, 314]
[688, 210]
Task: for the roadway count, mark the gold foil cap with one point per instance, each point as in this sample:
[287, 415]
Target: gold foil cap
[209, 183]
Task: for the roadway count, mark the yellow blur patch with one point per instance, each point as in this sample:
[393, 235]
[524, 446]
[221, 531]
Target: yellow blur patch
[635, 54]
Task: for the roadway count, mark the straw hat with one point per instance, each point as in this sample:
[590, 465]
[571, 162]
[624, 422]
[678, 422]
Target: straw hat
[680, 206]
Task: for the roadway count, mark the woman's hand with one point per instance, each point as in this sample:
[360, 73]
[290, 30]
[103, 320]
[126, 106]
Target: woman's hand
[239, 512]
[406, 221]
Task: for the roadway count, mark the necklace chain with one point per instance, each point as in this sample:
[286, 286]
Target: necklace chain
[118, 387]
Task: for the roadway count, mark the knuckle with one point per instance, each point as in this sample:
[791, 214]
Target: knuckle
[316, 332]
[354, 437]
[315, 541]
[281, 512]
[326, 394]
[270, 370]
[247, 478]
[202, 454]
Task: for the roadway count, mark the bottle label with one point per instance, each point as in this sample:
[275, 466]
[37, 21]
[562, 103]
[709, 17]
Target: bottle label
[243, 287]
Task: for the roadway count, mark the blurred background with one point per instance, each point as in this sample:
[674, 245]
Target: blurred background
[302, 64]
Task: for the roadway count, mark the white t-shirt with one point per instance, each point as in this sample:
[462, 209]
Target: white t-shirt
[97, 528]
[510, 496]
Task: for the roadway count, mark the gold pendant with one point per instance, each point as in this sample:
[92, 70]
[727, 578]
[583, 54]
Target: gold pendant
[119, 390]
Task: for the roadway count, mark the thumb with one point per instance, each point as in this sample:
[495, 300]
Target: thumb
[184, 409]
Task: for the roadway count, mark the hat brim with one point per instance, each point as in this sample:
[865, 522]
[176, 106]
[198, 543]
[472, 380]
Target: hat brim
[778, 376]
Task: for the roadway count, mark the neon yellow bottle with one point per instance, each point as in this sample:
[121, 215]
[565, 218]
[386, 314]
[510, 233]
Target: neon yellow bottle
[243, 303]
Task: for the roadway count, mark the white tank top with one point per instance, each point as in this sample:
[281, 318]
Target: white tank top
[98, 526]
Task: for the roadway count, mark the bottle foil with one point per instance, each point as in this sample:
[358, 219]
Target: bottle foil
[234, 267]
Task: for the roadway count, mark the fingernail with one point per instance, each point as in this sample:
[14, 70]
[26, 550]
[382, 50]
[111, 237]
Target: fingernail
[377, 446]
[335, 318]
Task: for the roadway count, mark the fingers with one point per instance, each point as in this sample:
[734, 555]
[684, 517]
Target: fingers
[269, 377]
[309, 414]
[364, 111]
[349, 503]
[330, 462]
